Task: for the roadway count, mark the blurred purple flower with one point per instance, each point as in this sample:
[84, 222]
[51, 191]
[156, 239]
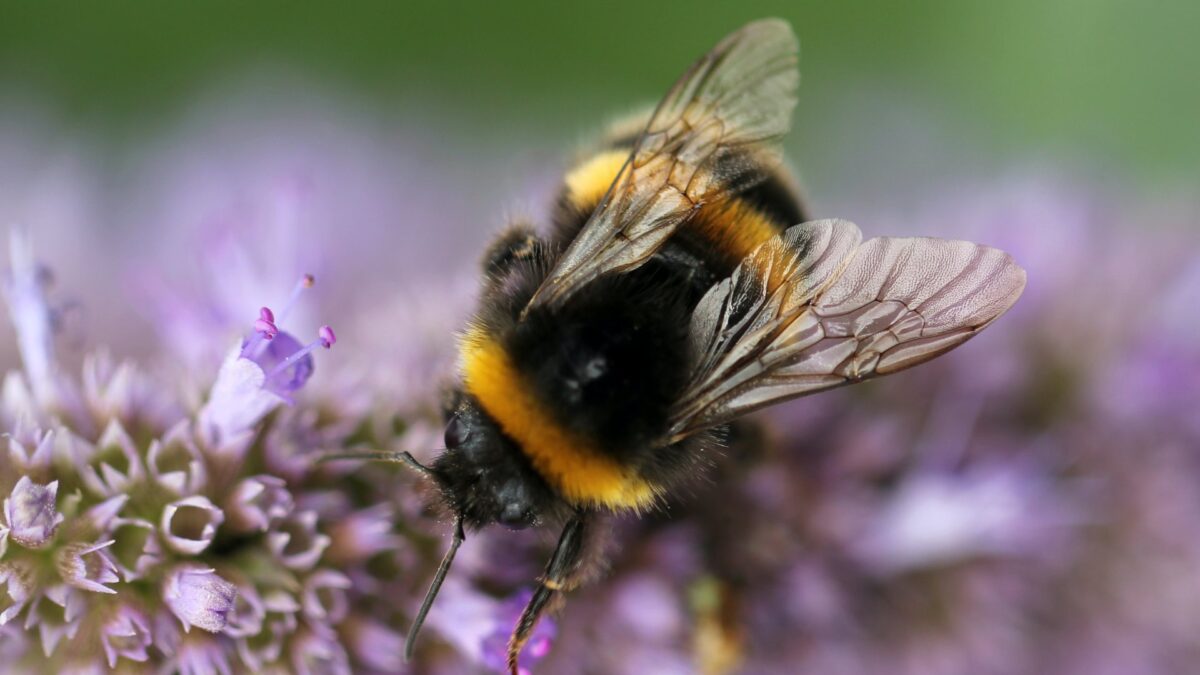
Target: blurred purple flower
[319, 654]
[374, 644]
[363, 535]
[938, 518]
[24, 291]
[505, 616]
[324, 597]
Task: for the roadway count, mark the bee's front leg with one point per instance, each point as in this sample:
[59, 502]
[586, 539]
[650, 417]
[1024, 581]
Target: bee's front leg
[560, 575]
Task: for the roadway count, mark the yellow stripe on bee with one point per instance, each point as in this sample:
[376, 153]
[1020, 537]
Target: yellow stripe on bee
[574, 467]
[734, 228]
[588, 182]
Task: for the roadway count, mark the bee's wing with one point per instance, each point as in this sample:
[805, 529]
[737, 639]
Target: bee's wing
[733, 103]
[815, 309]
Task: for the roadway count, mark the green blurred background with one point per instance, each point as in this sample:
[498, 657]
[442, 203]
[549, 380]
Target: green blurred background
[1101, 83]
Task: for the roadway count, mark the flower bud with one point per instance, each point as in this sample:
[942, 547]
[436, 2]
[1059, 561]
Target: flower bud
[30, 513]
[198, 597]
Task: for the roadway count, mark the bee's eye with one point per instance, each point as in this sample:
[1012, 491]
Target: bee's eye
[456, 432]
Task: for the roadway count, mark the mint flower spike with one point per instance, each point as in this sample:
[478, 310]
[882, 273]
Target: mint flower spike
[114, 522]
[267, 369]
[30, 513]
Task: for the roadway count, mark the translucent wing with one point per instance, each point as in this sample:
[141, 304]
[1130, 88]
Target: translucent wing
[815, 310]
[731, 105]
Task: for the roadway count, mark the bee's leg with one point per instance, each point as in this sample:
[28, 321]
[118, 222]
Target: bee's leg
[560, 576]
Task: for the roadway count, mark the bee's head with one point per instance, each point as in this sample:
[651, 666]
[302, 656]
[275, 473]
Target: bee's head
[484, 476]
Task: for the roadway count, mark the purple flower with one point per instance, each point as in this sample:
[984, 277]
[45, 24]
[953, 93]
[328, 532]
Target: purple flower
[198, 597]
[246, 618]
[258, 502]
[297, 543]
[137, 549]
[16, 585]
[126, 634]
[940, 518]
[374, 644]
[144, 506]
[174, 461]
[263, 372]
[24, 291]
[324, 598]
[56, 614]
[37, 460]
[123, 391]
[314, 653]
[104, 515]
[507, 613]
[113, 465]
[202, 655]
[190, 524]
[88, 567]
[30, 513]
[278, 622]
[363, 534]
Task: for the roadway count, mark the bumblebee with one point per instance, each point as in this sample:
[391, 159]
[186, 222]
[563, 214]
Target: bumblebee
[681, 287]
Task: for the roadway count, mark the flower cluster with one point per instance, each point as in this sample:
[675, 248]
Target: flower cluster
[201, 542]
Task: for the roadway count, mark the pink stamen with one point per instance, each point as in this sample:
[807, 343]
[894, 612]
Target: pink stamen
[326, 336]
[306, 282]
[264, 330]
[265, 323]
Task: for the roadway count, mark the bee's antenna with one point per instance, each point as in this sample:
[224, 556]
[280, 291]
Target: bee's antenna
[403, 457]
[411, 643]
